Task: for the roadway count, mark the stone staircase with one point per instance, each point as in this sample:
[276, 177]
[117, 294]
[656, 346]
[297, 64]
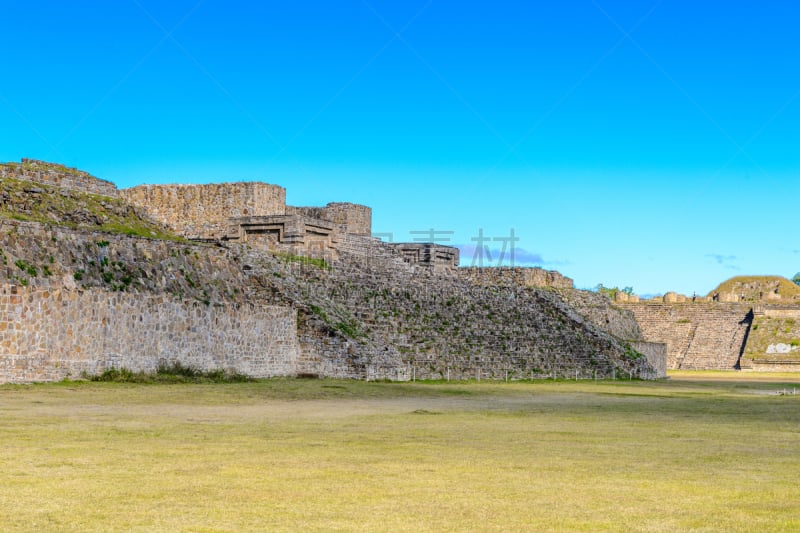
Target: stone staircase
[699, 336]
[373, 315]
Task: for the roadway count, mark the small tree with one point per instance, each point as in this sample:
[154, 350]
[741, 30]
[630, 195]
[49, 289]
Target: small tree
[611, 292]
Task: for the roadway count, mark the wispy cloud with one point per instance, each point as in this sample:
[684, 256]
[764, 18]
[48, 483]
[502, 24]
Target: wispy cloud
[726, 261]
[476, 256]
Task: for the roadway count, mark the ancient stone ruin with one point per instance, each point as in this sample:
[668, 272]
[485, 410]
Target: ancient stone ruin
[227, 276]
[753, 322]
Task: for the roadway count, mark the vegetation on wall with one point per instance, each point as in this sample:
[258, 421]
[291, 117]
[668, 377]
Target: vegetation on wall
[26, 201]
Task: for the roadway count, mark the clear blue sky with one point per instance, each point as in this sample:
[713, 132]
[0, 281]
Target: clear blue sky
[647, 144]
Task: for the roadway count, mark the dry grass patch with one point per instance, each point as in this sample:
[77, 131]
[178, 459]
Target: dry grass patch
[342, 455]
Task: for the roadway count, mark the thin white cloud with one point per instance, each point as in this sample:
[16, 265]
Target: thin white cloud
[726, 261]
[475, 256]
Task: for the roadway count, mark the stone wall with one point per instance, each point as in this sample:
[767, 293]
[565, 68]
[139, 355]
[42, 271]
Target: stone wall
[376, 317]
[370, 316]
[656, 354]
[598, 309]
[58, 176]
[774, 339]
[45, 256]
[352, 219]
[774, 311]
[86, 300]
[439, 258]
[774, 365]
[699, 336]
[47, 335]
[516, 276]
[202, 211]
[289, 234]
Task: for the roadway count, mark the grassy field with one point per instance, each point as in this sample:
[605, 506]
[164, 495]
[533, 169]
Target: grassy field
[306, 455]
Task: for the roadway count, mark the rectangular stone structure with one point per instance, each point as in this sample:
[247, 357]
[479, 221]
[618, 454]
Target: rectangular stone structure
[51, 334]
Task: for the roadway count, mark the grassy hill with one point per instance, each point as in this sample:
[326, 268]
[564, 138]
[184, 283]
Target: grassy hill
[27, 201]
[758, 287]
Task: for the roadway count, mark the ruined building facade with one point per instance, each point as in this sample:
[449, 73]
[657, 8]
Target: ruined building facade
[233, 291]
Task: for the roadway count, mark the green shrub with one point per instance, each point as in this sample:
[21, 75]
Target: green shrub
[291, 258]
[27, 267]
[171, 373]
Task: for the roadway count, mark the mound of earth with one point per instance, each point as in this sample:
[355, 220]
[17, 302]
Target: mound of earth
[755, 288]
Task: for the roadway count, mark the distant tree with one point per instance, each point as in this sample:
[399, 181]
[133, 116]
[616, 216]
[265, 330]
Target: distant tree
[796, 278]
[611, 292]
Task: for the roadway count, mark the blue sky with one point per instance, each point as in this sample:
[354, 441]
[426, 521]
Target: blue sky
[650, 144]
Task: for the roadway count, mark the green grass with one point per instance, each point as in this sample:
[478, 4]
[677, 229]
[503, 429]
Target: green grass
[306, 455]
[172, 373]
[740, 284]
[313, 261]
[52, 207]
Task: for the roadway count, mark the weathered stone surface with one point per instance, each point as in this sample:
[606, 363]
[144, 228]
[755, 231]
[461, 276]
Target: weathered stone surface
[698, 335]
[202, 211]
[48, 335]
[442, 259]
[656, 354]
[354, 219]
[376, 316]
[597, 308]
[516, 276]
[292, 234]
[79, 301]
[59, 176]
[40, 255]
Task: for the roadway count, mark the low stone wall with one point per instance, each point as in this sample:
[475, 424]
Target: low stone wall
[47, 335]
[516, 276]
[202, 211]
[699, 336]
[58, 176]
[656, 354]
[774, 366]
[780, 311]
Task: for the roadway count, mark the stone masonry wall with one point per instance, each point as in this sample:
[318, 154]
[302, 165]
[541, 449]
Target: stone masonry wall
[377, 317]
[47, 335]
[656, 354]
[353, 219]
[774, 339]
[45, 256]
[202, 211]
[357, 218]
[59, 176]
[516, 276]
[699, 336]
[598, 309]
